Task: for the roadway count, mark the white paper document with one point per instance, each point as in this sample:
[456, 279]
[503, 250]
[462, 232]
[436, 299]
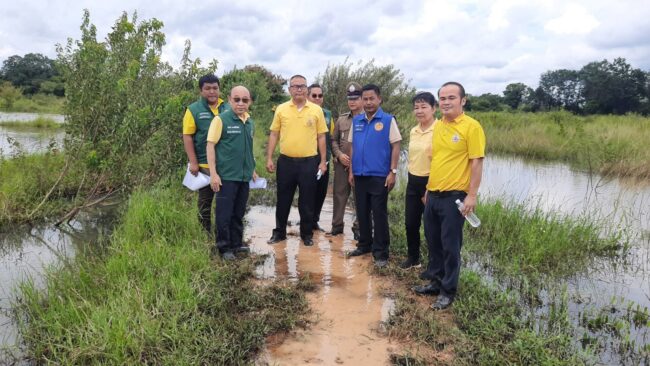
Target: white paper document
[259, 183]
[195, 182]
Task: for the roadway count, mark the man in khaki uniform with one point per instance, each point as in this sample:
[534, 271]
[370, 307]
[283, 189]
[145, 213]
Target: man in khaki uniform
[341, 152]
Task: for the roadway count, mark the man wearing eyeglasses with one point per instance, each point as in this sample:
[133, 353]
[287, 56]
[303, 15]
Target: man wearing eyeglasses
[315, 95]
[300, 127]
[196, 123]
[232, 166]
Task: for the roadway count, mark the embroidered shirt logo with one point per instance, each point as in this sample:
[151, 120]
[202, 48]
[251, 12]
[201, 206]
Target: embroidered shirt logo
[379, 126]
[455, 138]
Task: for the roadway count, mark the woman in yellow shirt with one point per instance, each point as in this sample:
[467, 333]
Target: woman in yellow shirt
[419, 163]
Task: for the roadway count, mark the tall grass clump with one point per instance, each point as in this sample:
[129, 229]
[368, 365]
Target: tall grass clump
[605, 144]
[26, 179]
[516, 240]
[40, 122]
[154, 297]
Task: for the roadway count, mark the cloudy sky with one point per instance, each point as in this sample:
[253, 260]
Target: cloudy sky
[485, 45]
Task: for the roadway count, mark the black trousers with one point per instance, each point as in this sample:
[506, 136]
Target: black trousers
[372, 209]
[231, 200]
[206, 196]
[321, 192]
[443, 228]
[414, 208]
[292, 173]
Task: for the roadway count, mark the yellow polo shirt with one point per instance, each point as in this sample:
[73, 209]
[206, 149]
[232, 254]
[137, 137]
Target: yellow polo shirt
[298, 129]
[420, 150]
[455, 142]
[216, 127]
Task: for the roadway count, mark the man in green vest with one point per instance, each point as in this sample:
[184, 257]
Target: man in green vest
[195, 130]
[232, 166]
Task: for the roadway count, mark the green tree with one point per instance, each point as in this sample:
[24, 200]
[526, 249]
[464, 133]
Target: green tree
[124, 106]
[396, 92]
[484, 102]
[28, 72]
[515, 94]
[614, 87]
[8, 95]
[562, 89]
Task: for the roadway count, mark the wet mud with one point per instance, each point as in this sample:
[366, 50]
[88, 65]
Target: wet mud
[348, 309]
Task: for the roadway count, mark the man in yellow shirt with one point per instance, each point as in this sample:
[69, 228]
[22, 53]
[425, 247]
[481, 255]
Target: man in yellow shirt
[196, 123]
[300, 127]
[456, 170]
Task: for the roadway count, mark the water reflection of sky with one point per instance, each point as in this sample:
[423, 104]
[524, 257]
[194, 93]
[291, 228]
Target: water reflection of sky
[26, 253]
[618, 205]
[28, 141]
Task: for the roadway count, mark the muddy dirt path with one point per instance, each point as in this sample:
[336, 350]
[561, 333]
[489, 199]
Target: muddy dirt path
[348, 308]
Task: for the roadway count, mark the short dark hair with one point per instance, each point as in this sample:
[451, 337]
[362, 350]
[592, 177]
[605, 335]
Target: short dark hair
[373, 87]
[297, 76]
[462, 89]
[314, 85]
[209, 79]
[425, 97]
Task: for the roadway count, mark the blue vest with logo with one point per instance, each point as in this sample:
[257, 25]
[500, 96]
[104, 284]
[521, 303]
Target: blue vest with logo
[371, 148]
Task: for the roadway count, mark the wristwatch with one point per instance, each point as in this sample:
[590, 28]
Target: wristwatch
[394, 170]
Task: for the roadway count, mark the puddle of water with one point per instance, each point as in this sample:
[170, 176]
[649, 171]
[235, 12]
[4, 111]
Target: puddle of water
[28, 141]
[26, 253]
[26, 117]
[347, 305]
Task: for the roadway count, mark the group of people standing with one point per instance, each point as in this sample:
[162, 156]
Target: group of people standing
[444, 165]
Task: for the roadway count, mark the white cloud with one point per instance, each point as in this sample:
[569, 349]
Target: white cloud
[484, 45]
[575, 20]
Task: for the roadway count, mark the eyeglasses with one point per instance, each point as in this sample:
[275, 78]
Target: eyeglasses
[243, 100]
[317, 96]
[299, 87]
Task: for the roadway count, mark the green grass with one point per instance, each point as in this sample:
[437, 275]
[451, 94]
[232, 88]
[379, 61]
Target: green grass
[26, 179]
[531, 242]
[39, 103]
[610, 145]
[154, 297]
[40, 122]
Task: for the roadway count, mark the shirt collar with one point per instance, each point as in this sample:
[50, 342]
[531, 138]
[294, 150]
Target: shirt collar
[378, 114]
[430, 128]
[455, 120]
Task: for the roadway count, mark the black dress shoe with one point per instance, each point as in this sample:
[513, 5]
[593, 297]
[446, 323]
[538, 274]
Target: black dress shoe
[410, 263]
[308, 242]
[426, 276]
[244, 250]
[381, 263]
[334, 232]
[228, 256]
[275, 238]
[358, 252]
[355, 234]
[317, 227]
[429, 289]
[442, 302]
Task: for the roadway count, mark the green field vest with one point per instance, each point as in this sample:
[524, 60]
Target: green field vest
[202, 117]
[235, 161]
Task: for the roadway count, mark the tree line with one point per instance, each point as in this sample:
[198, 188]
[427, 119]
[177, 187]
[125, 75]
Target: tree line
[599, 87]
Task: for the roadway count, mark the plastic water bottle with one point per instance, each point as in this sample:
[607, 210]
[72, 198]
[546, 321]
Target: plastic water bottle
[471, 217]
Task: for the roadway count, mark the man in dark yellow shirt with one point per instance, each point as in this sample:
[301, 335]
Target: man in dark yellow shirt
[456, 170]
[300, 127]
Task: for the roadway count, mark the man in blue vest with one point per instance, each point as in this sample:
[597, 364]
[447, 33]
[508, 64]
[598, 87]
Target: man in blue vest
[375, 140]
[232, 166]
[315, 95]
[196, 123]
